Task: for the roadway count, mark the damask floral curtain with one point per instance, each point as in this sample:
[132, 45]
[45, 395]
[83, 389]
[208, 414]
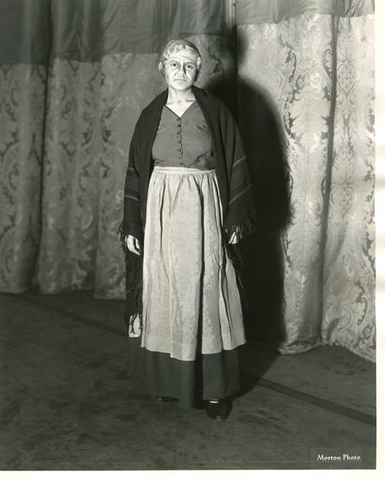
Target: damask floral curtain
[74, 77]
[313, 63]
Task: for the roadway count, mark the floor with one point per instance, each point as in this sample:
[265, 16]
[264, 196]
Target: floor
[66, 403]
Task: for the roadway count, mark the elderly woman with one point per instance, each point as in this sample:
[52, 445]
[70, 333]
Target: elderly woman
[187, 197]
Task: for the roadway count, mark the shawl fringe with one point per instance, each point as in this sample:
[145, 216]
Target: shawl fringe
[134, 282]
[242, 230]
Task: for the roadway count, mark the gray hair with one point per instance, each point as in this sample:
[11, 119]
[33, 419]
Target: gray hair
[175, 46]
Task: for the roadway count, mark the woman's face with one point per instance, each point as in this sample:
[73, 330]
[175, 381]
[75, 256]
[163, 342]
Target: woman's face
[180, 70]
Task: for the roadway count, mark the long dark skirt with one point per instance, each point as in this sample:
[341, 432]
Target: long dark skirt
[213, 376]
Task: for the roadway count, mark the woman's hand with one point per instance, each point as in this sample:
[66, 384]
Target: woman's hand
[234, 238]
[133, 244]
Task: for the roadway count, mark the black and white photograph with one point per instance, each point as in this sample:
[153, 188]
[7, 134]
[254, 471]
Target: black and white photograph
[191, 197]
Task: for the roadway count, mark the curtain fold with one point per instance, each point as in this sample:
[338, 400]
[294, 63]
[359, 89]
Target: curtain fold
[349, 263]
[74, 77]
[22, 104]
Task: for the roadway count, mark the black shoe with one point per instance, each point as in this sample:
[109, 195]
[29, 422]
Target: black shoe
[218, 410]
[166, 399]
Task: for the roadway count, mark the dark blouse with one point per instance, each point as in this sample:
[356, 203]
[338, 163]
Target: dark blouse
[183, 141]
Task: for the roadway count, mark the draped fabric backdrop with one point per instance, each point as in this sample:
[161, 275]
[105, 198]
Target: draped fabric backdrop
[74, 77]
[315, 64]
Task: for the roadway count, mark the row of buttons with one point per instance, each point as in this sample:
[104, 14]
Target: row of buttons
[179, 136]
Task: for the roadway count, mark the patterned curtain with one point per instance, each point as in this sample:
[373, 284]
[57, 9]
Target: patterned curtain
[66, 123]
[24, 52]
[74, 77]
[22, 105]
[316, 72]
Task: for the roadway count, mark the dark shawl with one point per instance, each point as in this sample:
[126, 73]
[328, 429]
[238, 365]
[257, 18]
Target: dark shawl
[231, 170]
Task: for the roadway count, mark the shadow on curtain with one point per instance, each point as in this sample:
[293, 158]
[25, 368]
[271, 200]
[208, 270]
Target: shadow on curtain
[313, 64]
